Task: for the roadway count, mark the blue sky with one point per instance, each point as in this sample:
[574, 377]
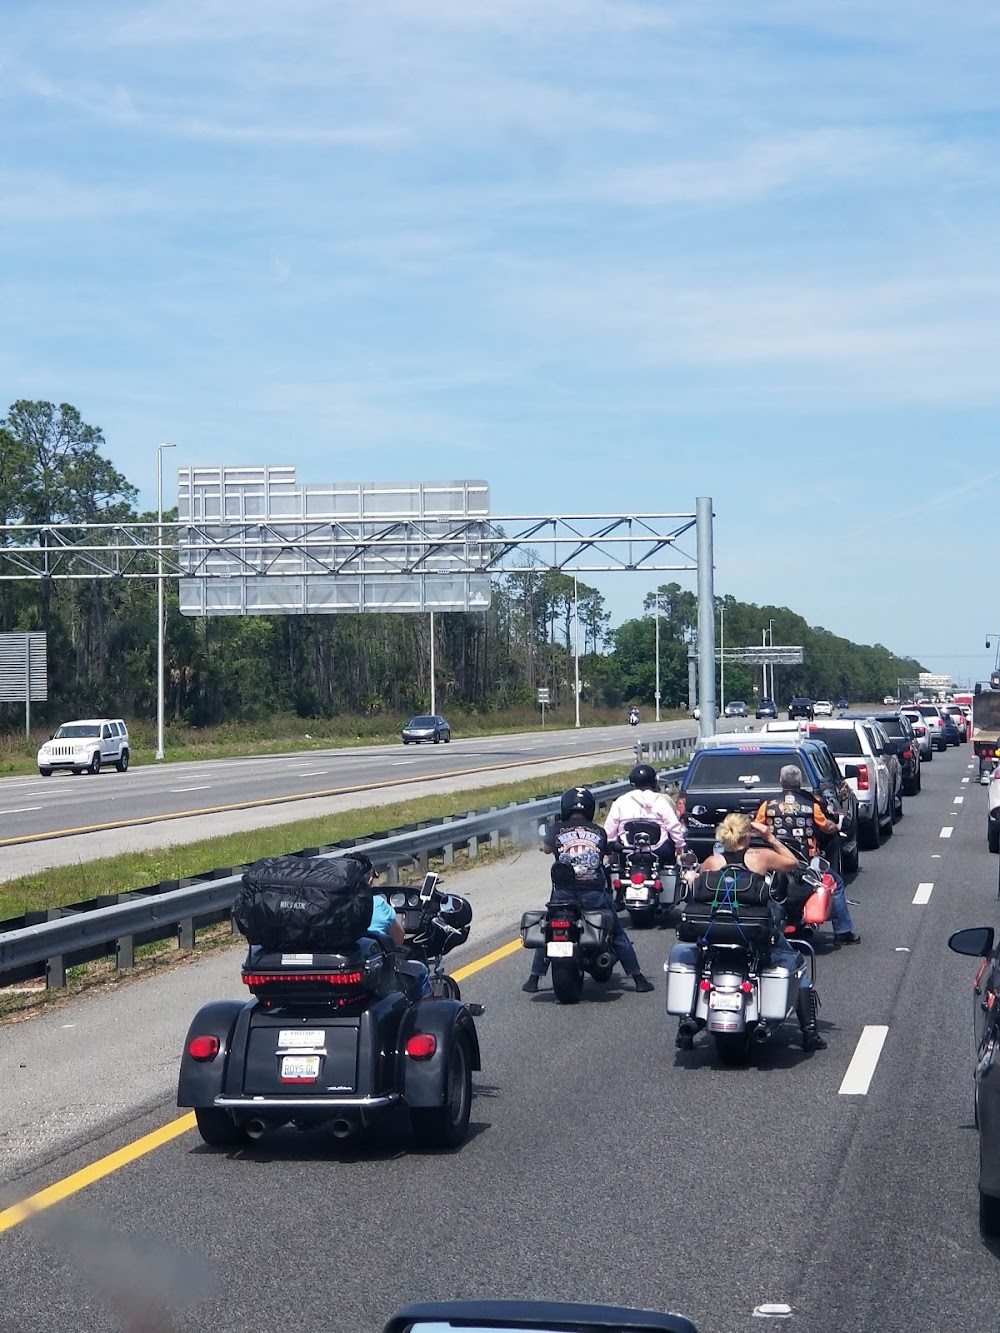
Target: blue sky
[606, 254]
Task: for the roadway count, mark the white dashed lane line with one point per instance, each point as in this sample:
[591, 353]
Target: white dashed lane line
[947, 831]
[179, 789]
[923, 894]
[21, 810]
[958, 800]
[965, 780]
[861, 1070]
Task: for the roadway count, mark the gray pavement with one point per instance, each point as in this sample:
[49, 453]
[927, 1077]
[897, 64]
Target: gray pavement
[102, 815]
[602, 1164]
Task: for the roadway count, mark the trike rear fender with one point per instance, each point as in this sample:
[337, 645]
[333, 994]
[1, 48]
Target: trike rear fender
[422, 1082]
[201, 1081]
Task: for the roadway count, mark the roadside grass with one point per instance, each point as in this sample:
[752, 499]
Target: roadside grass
[285, 734]
[133, 870]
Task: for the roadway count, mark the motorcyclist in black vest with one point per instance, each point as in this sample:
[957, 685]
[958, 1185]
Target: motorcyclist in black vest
[577, 842]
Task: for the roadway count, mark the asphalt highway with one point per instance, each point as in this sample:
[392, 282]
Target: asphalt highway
[68, 803]
[602, 1164]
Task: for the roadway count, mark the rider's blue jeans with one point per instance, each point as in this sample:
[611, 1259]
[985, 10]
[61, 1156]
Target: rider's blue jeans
[594, 900]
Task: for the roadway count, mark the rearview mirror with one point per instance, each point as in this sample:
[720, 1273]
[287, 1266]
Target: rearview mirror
[976, 941]
[543, 832]
[851, 771]
[534, 1316]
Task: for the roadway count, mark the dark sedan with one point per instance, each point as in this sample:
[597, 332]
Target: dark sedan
[767, 708]
[978, 942]
[432, 727]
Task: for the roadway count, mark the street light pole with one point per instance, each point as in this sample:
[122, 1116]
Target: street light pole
[770, 641]
[433, 672]
[657, 656]
[576, 648]
[722, 659]
[159, 596]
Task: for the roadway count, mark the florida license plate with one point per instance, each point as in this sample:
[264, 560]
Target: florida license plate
[299, 1068]
[559, 949]
[637, 896]
[730, 1002]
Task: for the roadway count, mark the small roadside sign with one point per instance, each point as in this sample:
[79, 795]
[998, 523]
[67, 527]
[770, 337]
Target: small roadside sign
[543, 696]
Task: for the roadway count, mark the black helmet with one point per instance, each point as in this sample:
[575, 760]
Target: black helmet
[577, 801]
[643, 776]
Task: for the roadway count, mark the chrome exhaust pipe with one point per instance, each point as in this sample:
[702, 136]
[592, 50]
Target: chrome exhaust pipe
[603, 960]
[761, 1034]
[256, 1128]
[342, 1129]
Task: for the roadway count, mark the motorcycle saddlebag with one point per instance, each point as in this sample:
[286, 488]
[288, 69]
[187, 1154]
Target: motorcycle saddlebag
[533, 929]
[681, 970]
[290, 903]
[596, 924]
[778, 991]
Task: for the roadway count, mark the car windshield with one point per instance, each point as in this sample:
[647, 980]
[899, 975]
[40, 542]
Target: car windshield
[72, 731]
[732, 770]
[929, 710]
[421, 722]
[893, 726]
[841, 740]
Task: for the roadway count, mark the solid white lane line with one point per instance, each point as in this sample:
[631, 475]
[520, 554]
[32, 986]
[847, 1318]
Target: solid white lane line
[923, 894]
[203, 788]
[21, 810]
[947, 831]
[860, 1071]
[958, 800]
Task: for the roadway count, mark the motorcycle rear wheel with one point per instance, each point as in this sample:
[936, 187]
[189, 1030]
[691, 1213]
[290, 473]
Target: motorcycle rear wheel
[218, 1128]
[567, 981]
[733, 1048]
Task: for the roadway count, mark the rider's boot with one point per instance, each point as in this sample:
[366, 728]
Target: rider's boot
[807, 1009]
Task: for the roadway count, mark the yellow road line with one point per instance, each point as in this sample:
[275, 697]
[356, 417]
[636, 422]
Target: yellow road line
[303, 796]
[79, 1180]
[471, 968]
[106, 1166]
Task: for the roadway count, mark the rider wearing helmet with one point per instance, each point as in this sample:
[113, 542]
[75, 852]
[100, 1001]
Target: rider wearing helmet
[646, 801]
[581, 845]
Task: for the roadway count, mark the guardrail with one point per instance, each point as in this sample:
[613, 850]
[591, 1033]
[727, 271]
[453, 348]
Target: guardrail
[49, 948]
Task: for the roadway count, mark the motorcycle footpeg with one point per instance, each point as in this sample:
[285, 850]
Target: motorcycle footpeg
[476, 1010]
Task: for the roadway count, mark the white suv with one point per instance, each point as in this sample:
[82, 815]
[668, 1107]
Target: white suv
[86, 746]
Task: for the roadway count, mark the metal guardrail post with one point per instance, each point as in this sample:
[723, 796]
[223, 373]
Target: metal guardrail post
[55, 972]
[473, 846]
[185, 933]
[125, 951]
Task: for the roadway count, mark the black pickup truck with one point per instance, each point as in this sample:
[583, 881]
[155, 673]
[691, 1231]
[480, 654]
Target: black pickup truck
[727, 774]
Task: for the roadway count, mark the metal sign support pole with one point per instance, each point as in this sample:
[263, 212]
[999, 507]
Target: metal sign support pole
[706, 618]
[433, 672]
[27, 690]
[159, 597]
[657, 655]
[576, 651]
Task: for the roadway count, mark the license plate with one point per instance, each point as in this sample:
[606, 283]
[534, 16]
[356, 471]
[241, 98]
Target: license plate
[731, 1002]
[299, 1068]
[560, 949]
[299, 1039]
[637, 896]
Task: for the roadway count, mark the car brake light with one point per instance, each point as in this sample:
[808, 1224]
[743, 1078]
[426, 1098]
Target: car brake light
[203, 1048]
[422, 1046]
[864, 781]
[907, 753]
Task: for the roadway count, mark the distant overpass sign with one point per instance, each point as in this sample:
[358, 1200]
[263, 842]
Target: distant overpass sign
[778, 655]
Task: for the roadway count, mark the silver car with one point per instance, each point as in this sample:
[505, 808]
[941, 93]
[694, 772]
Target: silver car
[427, 727]
[922, 731]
